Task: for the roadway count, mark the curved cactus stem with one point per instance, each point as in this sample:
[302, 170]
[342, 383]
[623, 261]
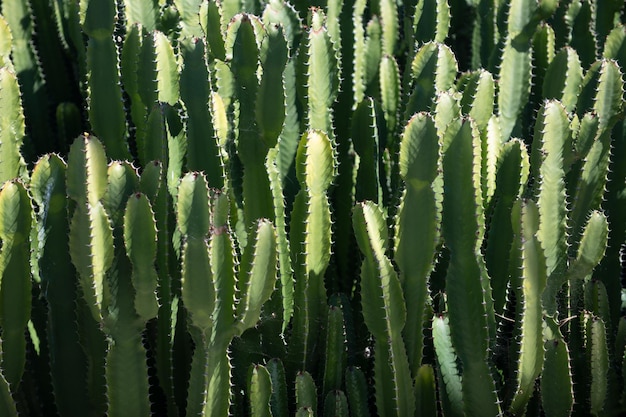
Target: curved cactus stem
[189, 22]
[512, 174]
[591, 248]
[596, 336]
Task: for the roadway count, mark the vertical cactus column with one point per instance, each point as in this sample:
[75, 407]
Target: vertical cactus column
[59, 279]
[15, 279]
[463, 228]
[106, 111]
[382, 291]
[209, 286]
[310, 236]
[418, 225]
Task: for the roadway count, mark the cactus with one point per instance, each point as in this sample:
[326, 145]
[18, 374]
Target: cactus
[417, 207]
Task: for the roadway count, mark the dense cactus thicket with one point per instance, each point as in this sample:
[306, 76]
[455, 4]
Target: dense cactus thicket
[345, 208]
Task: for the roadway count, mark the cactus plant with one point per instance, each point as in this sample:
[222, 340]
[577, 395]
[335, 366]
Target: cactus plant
[312, 208]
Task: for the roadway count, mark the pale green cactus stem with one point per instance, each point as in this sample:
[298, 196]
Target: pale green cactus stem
[433, 70]
[189, 22]
[563, 78]
[26, 68]
[260, 391]
[551, 141]
[91, 238]
[209, 287]
[469, 306]
[515, 68]
[417, 225]
[322, 75]
[449, 376]
[310, 236]
[146, 13]
[382, 289]
[12, 127]
[106, 111]
[133, 300]
[15, 279]
[532, 281]
[596, 337]
[211, 23]
[261, 109]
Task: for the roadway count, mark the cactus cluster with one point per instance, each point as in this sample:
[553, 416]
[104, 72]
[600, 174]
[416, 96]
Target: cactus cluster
[345, 208]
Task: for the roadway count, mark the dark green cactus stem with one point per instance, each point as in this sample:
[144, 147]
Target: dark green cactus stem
[15, 278]
[336, 404]
[106, 112]
[356, 390]
[279, 400]
[431, 21]
[60, 286]
[306, 392]
[203, 153]
[556, 380]
[335, 357]
[418, 225]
